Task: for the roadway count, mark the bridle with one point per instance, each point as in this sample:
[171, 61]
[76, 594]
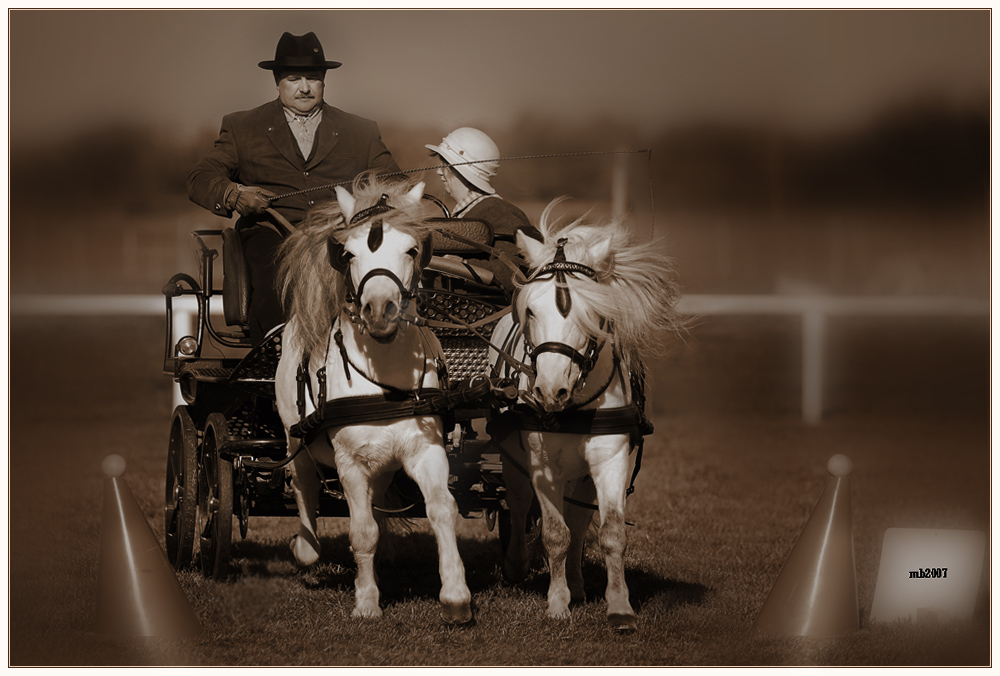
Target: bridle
[558, 269]
[340, 257]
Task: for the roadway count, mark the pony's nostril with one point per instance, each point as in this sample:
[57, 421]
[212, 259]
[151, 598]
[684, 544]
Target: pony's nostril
[391, 310]
[562, 395]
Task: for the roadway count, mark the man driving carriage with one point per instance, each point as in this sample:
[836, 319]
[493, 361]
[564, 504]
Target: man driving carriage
[294, 143]
[472, 160]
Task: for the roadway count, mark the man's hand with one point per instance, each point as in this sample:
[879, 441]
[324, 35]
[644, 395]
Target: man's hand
[248, 199]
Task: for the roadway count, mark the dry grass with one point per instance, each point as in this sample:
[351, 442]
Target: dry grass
[727, 483]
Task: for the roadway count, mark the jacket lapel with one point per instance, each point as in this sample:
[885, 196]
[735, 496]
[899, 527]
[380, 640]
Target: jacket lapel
[281, 135]
[326, 136]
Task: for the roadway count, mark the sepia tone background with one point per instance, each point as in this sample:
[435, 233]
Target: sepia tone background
[780, 153]
[836, 150]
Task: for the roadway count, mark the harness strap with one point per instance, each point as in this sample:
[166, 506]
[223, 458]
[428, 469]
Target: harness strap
[512, 363]
[586, 363]
[379, 407]
[617, 420]
[504, 352]
[458, 322]
[359, 409]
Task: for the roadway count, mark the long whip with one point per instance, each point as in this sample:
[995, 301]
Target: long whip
[402, 172]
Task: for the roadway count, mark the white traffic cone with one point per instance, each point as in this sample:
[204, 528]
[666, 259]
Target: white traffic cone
[816, 593]
[137, 590]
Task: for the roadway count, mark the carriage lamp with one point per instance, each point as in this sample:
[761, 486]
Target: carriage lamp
[187, 346]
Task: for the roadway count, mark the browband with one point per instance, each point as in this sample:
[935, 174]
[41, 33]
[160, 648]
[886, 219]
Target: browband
[565, 266]
[559, 267]
[380, 207]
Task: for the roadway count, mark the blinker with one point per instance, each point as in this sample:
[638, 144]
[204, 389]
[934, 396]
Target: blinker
[339, 256]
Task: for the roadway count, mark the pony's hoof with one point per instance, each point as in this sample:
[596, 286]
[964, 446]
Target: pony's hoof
[560, 615]
[621, 623]
[304, 554]
[456, 613]
[367, 613]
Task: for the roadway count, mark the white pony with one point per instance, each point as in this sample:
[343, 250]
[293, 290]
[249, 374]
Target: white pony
[349, 274]
[591, 305]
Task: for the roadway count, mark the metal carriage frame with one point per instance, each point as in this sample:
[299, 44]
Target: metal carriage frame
[226, 458]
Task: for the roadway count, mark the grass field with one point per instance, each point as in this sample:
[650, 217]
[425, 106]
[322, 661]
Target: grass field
[728, 481]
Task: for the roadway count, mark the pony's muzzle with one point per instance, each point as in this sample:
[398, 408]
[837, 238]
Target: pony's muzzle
[553, 400]
[381, 311]
[553, 390]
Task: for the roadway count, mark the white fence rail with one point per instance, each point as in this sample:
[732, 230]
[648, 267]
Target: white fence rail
[813, 310]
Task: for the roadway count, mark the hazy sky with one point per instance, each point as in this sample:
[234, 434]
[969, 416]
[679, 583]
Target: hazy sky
[184, 69]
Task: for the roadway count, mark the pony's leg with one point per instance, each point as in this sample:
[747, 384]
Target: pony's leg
[429, 469]
[364, 537]
[555, 537]
[305, 484]
[578, 520]
[519, 495]
[610, 475]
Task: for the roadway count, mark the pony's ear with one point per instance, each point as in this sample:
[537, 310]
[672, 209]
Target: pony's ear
[340, 258]
[531, 248]
[346, 202]
[413, 197]
[600, 253]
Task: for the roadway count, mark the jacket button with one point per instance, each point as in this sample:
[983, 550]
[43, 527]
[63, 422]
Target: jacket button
[305, 173]
[218, 207]
[311, 202]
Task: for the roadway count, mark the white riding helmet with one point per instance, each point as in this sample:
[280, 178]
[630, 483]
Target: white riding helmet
[470, 145]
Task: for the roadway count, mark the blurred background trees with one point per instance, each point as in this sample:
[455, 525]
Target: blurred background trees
[119, 191]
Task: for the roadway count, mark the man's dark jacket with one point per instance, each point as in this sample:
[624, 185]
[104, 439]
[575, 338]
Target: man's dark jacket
[256, 148]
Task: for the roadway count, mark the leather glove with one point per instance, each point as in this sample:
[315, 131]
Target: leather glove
[248, 200]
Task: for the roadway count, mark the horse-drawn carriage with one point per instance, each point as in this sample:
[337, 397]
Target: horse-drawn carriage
[266, 430]
[227, 447]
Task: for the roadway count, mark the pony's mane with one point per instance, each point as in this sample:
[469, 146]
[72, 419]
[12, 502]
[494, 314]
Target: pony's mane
[313, 292]
[636, 289]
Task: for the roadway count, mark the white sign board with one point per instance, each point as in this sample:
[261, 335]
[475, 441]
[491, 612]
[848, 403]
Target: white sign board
[928, 574]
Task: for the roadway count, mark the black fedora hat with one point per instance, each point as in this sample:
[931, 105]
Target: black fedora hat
[299, 51]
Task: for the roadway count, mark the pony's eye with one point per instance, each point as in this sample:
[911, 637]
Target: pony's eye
[528, 314]
[412, 253]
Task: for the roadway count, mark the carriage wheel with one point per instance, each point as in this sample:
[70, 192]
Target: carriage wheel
[180, 505]
[215, 501]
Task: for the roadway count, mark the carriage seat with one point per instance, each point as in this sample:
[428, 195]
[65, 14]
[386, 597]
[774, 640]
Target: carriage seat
[235, 280]
[476, 231]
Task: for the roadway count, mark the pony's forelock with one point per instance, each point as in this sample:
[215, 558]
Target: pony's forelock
[636, 289]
